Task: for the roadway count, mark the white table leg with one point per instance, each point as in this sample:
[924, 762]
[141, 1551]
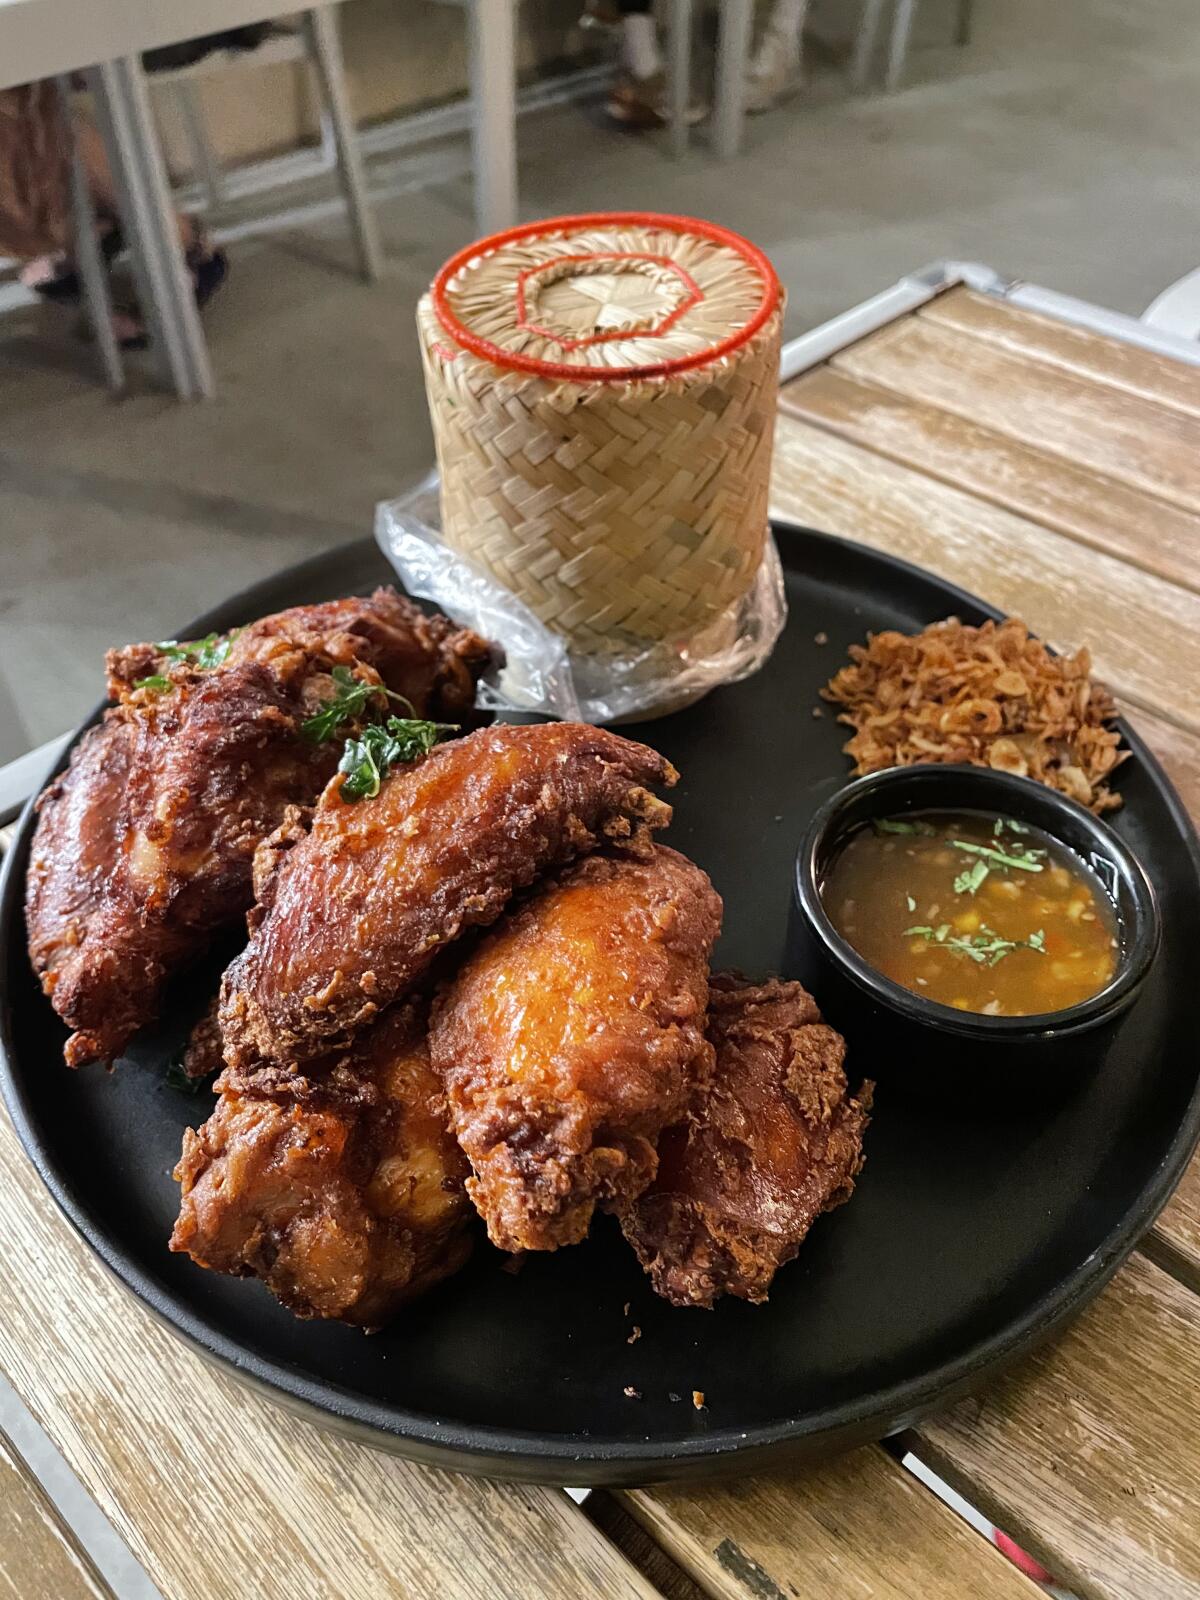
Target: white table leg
[733, 58]
[679, 72]
[96, 298]
[205, 166]
[898, 43]
[866, 43]
[492, 50]
[326, 49]
[164, 283]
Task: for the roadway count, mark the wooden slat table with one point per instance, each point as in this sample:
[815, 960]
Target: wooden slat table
[1055, 470]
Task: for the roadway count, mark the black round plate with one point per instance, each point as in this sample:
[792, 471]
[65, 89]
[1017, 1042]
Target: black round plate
[972, 1234]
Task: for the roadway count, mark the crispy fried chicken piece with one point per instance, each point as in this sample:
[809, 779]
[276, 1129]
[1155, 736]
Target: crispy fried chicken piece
[569, 1039]
[772, 1139]
[353, 913]
[342, 1191]
[145, 844]
[429, 660]
[202, 1053]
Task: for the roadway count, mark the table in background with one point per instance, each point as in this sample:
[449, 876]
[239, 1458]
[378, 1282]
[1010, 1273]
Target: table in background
[1055, 471]
[49, 38]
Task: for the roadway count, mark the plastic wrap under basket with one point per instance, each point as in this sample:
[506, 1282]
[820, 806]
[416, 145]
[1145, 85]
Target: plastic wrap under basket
[603, 395]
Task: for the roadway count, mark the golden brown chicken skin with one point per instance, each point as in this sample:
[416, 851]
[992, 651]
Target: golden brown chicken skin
[145, 845]
[355, 910]
[772, 1139]
[569, 1039]
[342, 1191]
[428, 660]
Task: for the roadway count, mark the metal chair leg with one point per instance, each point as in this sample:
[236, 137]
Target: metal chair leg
[164, 284]
[97, 301]
[326, 50]
[492, 65]
[866, 44]
[733, 58]
[204, 161]
[679, 72]
[962, 27]
[902, 23]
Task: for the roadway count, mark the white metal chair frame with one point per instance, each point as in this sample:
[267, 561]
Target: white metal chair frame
[733, 59]
[903, 15]
[1177, 309]
[316, 41]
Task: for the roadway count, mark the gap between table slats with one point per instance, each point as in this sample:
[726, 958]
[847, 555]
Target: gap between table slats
[1108, 515]
[1118, 434]
[604, 1510]
[857, 1527]
[1107, 362]
[39, 1556]
[1086, 1451]
[1069, 594]
[220, 1492]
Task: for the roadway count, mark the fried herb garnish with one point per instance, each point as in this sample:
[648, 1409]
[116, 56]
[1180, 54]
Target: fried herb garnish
[205, 653]
[1013, 826]
[1026, 862]
[898, 825]
[968, 882]
[368, 758]
[986, 947]
[176, 1078]
[350, 700]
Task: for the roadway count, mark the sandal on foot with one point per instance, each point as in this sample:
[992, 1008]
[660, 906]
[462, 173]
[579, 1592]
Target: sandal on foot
[65, 287]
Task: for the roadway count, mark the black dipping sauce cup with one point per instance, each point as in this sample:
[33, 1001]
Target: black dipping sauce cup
[917, 1042]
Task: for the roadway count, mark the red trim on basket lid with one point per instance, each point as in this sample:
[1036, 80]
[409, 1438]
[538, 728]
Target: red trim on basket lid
[694, 297]
[488, 351]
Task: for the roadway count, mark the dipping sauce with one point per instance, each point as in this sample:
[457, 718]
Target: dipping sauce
[981, 913]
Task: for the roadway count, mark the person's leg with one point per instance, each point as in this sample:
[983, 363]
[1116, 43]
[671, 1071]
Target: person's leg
[776, 68]
[638, 99]
[207, 265]
[639, 38]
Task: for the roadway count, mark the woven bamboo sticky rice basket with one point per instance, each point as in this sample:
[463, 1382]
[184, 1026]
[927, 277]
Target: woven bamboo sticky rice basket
[603, 390]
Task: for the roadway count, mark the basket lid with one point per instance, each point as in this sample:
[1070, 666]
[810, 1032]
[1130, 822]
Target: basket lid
[608, 296]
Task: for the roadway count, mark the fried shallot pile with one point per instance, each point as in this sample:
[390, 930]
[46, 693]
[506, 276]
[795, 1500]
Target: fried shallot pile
[993, 696]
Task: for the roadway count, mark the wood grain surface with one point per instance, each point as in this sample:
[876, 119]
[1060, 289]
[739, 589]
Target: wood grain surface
[39, 1557]
[220, 1493]
[1086, 1453]
[1119, 434]
[1174, 1240]
[608, 1514]
[1140, 528]
[1176, 748]
[1106, 362]
[860, 1528]
[1055, 473]
[1144, 632]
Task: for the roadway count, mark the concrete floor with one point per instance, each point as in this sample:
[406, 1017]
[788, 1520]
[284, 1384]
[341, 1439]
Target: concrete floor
[1059, 146]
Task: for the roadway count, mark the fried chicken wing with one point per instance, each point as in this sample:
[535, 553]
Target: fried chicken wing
[353, 912]
[568, 1040]
[145, 845]
[427, 660]
[342, 1190]
[772, 1139]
